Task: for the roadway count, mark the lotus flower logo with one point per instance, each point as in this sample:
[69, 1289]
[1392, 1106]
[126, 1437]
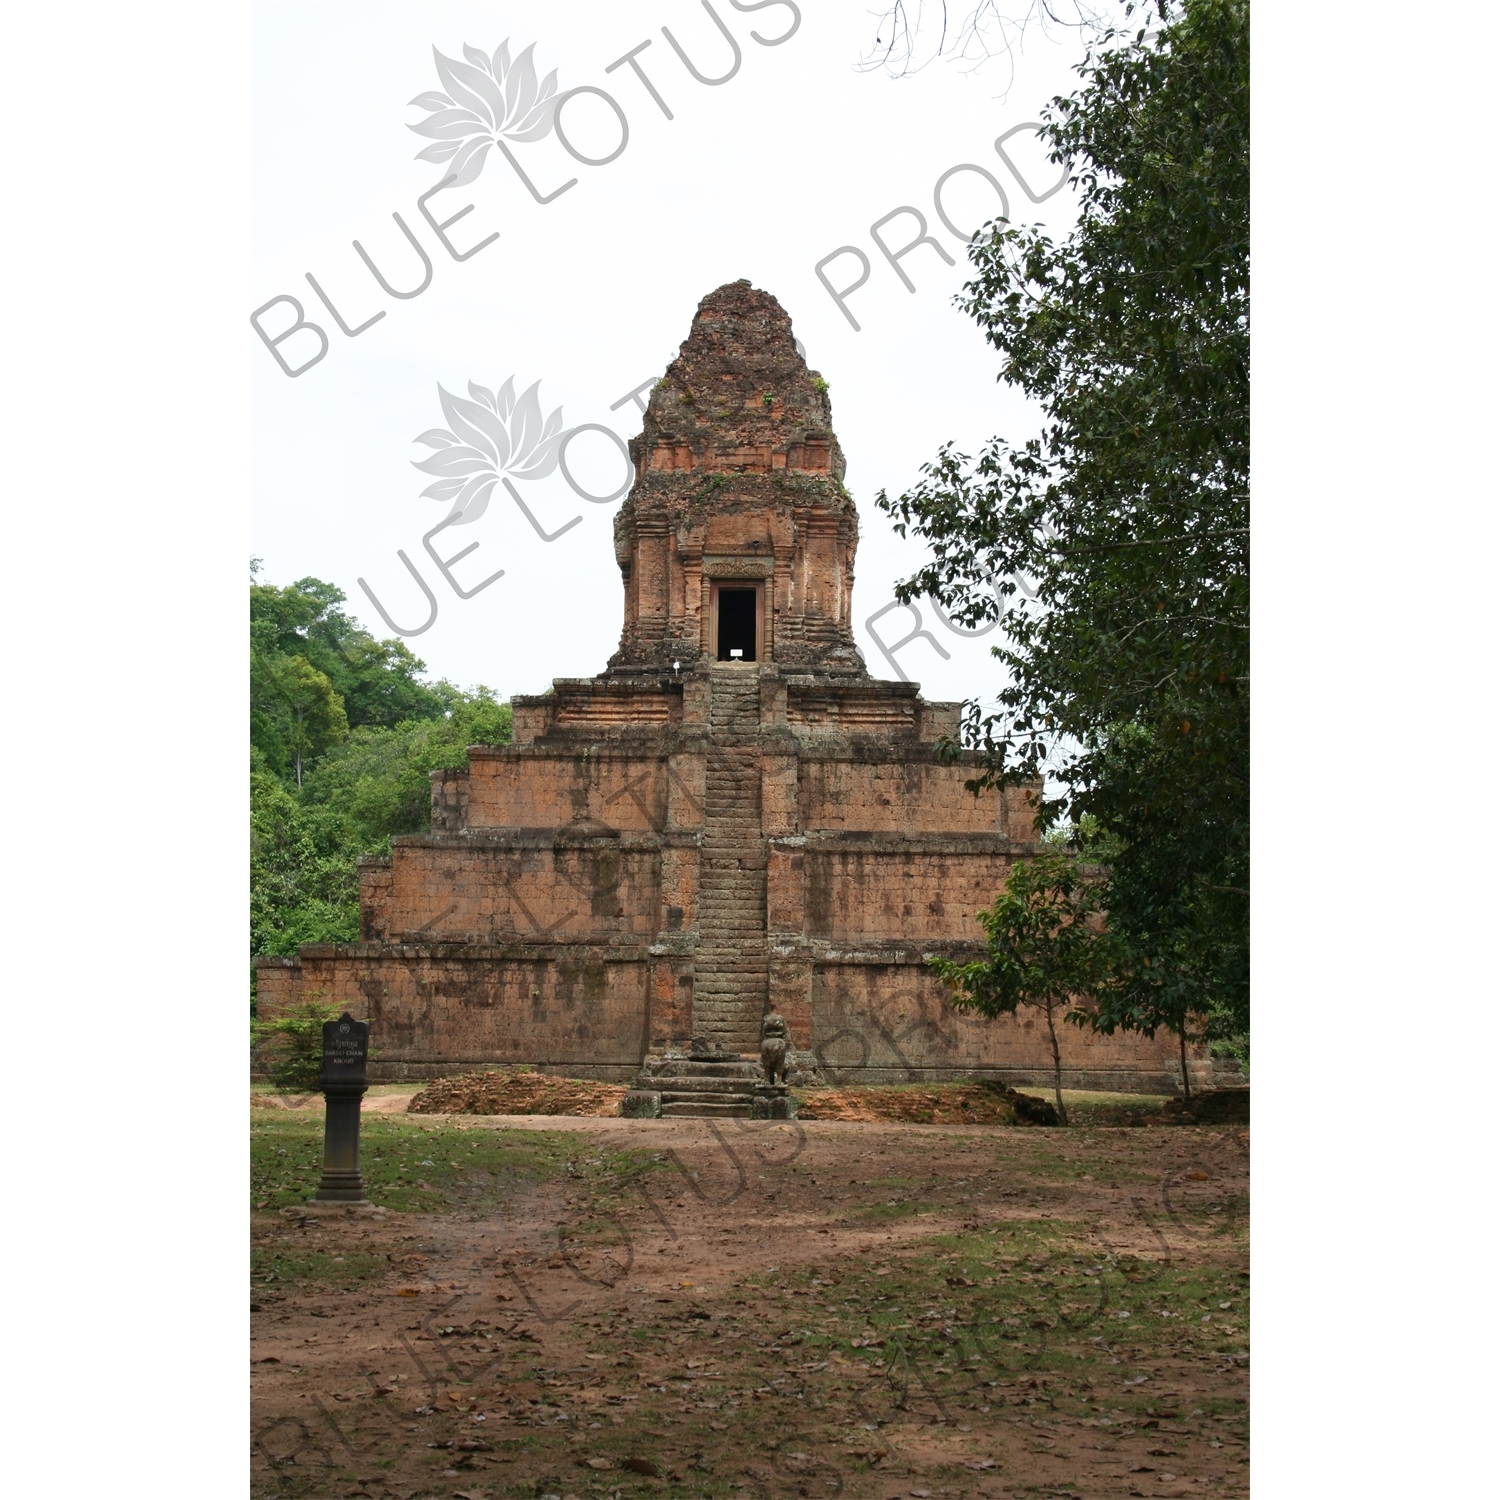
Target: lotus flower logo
[493, 435]
[488, 98]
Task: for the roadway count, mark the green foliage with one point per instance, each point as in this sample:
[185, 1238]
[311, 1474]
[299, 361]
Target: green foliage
[379, 681]
[1046, 946]
[1043, 950]
[1128, 675]
[820, 385]
[304, 887]
[289, 1050]
[378, 779]
[295, 715]
[322, 793]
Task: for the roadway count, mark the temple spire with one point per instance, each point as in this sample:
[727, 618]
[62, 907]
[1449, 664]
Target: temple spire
[737, 540]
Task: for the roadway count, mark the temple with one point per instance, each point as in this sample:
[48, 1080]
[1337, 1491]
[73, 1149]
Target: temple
[733, 817]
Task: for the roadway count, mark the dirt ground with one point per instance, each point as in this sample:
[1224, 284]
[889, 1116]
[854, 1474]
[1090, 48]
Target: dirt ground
[582, 1307]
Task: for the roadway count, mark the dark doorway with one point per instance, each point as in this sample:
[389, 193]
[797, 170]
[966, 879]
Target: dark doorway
[737, 624]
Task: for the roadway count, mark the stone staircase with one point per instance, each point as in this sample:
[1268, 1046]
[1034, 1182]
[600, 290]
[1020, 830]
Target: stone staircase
[690, 1086]
[730, 965]
[729, 985]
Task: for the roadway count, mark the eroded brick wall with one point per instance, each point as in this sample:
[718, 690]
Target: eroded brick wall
[465, 889]
[450, 800]
[527, 788]
[893, 1022]
[374, 899]
[890, 893]
[278, 987]
[434, 1011]
[887, 792]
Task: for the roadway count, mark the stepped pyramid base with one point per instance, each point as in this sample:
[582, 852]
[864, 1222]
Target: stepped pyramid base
[680, 845]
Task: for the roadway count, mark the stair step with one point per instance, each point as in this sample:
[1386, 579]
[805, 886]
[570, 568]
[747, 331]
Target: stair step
[683, 1073]
[727, 1089]
[680, 1111]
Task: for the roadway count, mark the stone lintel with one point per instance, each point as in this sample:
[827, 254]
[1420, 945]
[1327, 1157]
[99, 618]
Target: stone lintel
[715, 568]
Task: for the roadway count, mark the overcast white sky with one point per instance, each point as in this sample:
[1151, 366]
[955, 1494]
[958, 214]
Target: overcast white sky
[761, 176]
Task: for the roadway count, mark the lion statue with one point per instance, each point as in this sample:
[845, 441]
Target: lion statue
[773, 1046]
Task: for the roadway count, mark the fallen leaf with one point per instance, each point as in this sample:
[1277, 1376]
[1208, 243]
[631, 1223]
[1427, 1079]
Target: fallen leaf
[599, 1463]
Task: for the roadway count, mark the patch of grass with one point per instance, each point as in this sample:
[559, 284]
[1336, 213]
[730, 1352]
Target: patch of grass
[414, 1166]
[269, 1266]
[959, 1319]
[886, 1213]
[314, 1100]
[1066, 1158]
[1086, 1107]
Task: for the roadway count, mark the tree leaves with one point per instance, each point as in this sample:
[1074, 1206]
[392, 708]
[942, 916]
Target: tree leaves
[1127, 514]
[358, 787]
[1045, 943]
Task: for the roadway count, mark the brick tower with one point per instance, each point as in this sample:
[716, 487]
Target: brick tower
[739, 492]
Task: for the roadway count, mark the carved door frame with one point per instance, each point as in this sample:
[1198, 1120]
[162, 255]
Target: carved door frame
[711, 646]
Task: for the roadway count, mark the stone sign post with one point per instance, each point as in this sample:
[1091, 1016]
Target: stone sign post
[346, 1046]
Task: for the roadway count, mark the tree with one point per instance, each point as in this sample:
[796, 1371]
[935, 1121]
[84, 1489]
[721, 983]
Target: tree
[323, 794]
[289, 1050]
[379, 778]
[1046, 947]
[299, 704]
[1128, 514]
[304, 881]
[379, 681]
